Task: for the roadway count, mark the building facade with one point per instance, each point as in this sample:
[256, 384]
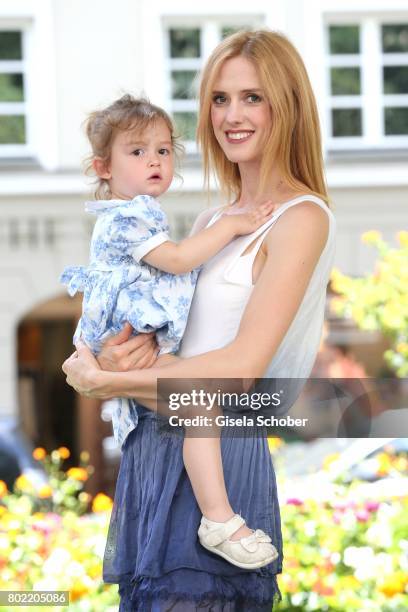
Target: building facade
[59, 60]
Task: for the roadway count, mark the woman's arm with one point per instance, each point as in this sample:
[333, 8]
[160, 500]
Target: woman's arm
[182, 257]
[293, 247]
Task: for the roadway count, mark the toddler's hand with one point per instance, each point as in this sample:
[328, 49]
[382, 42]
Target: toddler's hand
[250, 221]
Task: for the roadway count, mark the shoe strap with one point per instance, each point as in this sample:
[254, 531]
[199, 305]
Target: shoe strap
[250, 543]
[221, 532]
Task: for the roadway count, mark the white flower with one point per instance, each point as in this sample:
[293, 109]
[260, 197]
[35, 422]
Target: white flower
[379, 534]
[372, 566]
[49, 583]
[403, 544]
[355, 556]
[335, 558]
[349, 520]
[74, 569]
[297, 599]
[310, 528]
[313, 601]
[55, 564]
[99, 547]
[384, 564]
[16, 554]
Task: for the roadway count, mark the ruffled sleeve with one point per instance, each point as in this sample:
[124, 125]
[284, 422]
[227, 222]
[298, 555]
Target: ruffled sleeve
[75, 278]
[139, 226]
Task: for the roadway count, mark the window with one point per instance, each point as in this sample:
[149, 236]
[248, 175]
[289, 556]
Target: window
[367, 77]
[188, 46]
[394, 43]
[13, 120]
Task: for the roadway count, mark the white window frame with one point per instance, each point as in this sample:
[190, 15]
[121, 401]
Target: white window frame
[37, 21]
[210, 28]
[372, 100]
[17, 108]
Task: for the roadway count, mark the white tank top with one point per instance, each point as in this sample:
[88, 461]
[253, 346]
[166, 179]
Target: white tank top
[224, 287]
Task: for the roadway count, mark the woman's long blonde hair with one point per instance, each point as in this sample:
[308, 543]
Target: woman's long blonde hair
[294, 141]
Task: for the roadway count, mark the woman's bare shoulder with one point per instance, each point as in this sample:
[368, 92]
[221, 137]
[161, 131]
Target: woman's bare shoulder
[300, 225]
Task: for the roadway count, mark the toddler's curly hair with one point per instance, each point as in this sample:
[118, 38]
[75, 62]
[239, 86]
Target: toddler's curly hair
[126, 113]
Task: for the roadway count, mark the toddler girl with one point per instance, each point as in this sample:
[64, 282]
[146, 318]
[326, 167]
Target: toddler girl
[137, 275]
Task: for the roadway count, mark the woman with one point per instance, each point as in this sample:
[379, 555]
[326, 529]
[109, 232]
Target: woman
[258, 311]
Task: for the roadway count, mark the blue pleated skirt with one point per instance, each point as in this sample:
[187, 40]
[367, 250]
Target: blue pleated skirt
[152, 550]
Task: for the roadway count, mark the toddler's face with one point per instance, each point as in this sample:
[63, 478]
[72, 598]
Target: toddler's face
[142, 163]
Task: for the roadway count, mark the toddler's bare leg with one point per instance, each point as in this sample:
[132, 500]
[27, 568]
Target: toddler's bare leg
[203, 463]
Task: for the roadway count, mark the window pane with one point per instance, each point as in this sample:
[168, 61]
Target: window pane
[12, 129]
[396, 120]
[228, 30]
[395, 38]
[185, 42]
[186, 125]
[345, 81]
[346, 121]
[344, 39]
[182, 85]
[395, 79]
[10, 46]
[11, 88]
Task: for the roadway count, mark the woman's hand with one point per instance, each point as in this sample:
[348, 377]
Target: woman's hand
[122, 353]
[82, 370]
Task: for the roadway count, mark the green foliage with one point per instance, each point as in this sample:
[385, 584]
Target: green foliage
[379, 301]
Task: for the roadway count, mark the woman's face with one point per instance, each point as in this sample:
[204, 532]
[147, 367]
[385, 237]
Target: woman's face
[240, 113]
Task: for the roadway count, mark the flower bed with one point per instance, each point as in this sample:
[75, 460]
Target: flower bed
[348, 553]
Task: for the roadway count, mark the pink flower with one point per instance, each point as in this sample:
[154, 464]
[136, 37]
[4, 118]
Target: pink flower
[340, 505]
[42, 526]
[372, 505]
[294, 501]
[362, 515]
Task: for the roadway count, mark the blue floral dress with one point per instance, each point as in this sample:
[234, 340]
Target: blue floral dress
[119, 287]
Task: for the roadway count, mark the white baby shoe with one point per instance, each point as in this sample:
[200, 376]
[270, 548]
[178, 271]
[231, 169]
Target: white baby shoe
[249, 552]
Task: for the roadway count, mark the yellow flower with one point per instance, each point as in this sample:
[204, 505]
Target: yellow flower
[274, 443]
[337, 304]
[393, 316]
[329, 460]
[84, 497]
[95, 571]
[337, 280]
[401, 464]
[384, 464]
[77, 473]
[3, 488]
[101, 503]
[77, 590]
[39, 453]
[403, 238]
[84, 456]
[23, 483]
[393, 585]
[371, 237]
[55, 456]
[44, 492]
[64, 452]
